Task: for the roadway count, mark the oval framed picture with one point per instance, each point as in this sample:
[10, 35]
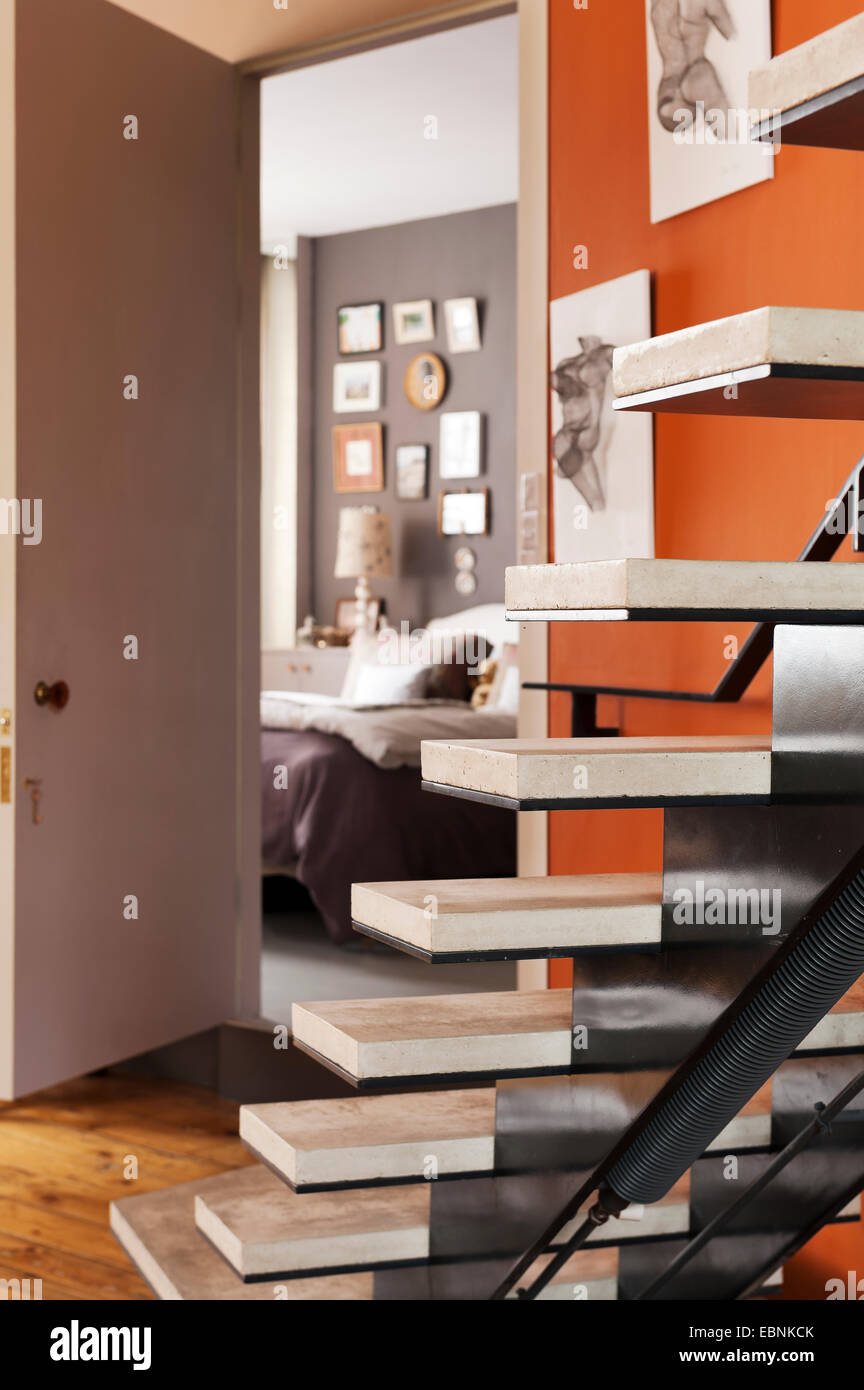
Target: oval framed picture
[425, 381]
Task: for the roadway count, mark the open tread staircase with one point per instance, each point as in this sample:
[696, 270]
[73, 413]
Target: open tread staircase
[343, 1192]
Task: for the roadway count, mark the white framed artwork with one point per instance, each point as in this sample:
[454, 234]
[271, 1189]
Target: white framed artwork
[463, 513]
[463, 325]
[603, 487]
[413, 321]
[460, 444]
[356, 386]
[700, 55]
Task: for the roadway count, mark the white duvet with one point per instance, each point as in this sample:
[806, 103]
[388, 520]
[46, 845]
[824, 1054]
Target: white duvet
[388, 735]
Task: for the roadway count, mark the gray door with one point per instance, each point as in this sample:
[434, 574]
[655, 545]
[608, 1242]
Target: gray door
[119, 931]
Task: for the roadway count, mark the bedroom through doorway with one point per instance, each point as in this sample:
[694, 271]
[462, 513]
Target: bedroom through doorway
[389, 187]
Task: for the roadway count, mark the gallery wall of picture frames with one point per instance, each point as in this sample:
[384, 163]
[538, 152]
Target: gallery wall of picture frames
[359, 388]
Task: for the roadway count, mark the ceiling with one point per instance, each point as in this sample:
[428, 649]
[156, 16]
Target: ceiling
[240, 30]
[344, 143]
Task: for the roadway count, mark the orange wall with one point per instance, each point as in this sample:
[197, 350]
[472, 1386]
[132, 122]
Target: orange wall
[724, 489]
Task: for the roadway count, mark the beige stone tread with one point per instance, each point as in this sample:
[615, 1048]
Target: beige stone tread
[619, 588]
[775, 334]
[366, 1139]
[370, 1040]
[464, 915]
[603, 769]
[157, 1230]
[593, 1274]
[444, 1035]
[813, 68]
[263, 1228]
[390, 1138]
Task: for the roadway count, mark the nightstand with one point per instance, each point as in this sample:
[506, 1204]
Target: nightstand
[305, 670]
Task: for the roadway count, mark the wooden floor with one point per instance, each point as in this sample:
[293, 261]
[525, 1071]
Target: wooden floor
[62, 1158]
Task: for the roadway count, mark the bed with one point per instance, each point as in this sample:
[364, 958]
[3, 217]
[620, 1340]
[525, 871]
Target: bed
[342, 800]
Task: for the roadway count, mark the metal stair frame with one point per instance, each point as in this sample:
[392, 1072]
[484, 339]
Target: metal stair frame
[817, 746]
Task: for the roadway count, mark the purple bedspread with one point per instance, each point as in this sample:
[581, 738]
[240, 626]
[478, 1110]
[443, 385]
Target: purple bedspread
[343, 820]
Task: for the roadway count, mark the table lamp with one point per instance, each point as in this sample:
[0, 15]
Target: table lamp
[363, 553]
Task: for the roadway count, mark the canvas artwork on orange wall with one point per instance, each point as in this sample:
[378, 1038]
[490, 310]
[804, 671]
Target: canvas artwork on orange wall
[700, 53]
[604, 461]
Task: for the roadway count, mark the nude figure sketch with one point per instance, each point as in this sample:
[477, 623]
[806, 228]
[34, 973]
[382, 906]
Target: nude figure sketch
[579, 446]
[682, 28]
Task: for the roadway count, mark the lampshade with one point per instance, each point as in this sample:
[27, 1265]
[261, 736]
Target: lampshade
[363, 544]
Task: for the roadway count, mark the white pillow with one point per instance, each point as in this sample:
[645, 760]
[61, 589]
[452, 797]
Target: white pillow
[389, 685]
[375, 676]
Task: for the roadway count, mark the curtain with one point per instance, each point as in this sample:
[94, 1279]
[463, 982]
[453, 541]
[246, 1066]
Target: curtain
[278, 452]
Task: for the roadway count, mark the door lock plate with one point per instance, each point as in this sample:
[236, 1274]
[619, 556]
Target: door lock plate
[5, 776]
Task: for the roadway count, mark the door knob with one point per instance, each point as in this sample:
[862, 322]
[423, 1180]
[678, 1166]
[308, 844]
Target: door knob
[56, 695]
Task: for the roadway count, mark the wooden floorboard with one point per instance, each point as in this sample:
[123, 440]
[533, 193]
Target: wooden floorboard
[63, 1154]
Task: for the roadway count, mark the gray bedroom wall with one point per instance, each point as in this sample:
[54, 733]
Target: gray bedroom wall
[472, 253]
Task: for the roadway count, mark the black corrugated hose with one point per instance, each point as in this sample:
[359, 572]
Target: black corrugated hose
[815, 975]
[806, 986]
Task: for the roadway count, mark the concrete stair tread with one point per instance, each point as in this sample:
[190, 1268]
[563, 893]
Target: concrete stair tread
[368, 1139]
[820, 65]
[775, 334]
[157, 1230]
[592, 1276]
[520, 1032]
[477, 918]
[593, 1272]
[567, 772]
[652, 589]
[264, 1230]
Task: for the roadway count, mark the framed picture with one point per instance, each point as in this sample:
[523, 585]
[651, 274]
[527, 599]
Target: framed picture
[463, 513]
[358, 458]
[460, 444]
[345, 618]
[360, 328]
[463, 325]
[356, 386]
[699, 59]
[413, 321]
[425, 381]
[412, 472]
[603, 486]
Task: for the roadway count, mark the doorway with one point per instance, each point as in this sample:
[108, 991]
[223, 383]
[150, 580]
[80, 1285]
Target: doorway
[389, 187]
